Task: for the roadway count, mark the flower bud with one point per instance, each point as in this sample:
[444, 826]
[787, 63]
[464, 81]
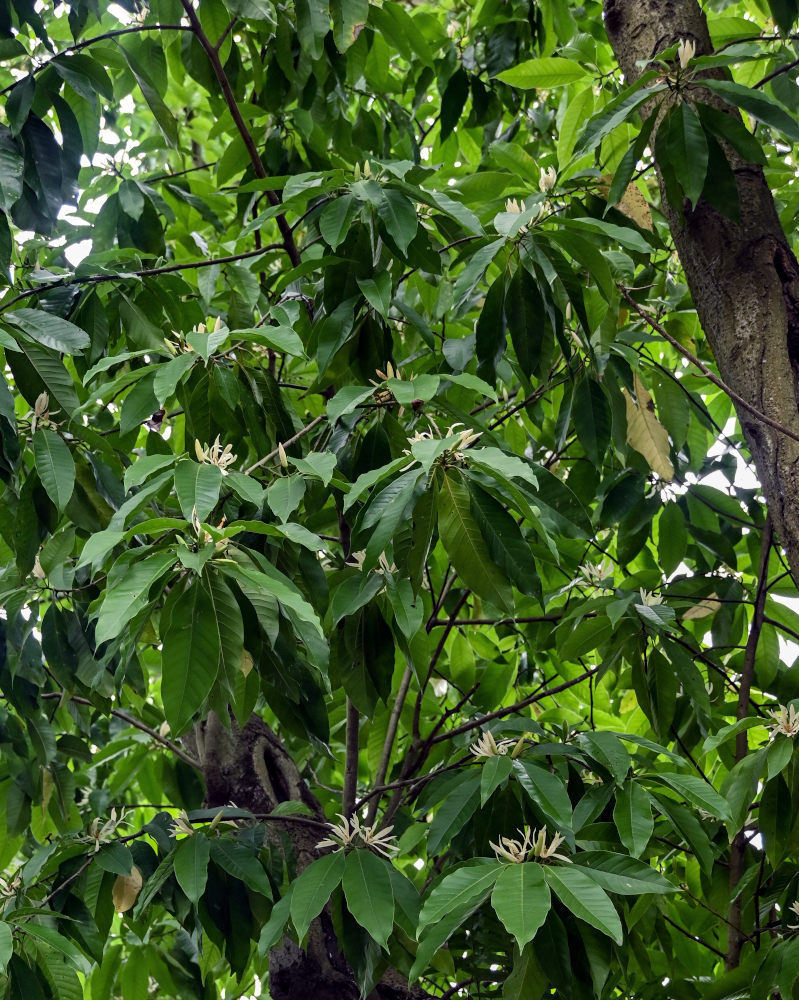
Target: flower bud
[547, 179]
[281, 451]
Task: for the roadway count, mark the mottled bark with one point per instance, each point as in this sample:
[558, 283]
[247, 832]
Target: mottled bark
[743, 276]
[250, 768]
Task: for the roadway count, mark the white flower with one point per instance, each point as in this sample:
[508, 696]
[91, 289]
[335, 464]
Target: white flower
[686, 50]
[344, 833]
[41, 411]
[281, 454]
[650, 600]
[532, 845]
[787, 721]
[215, 454]
[592, 574]
[102, 834]
[182, 824]
[794, 908]
[487, 746]
[512, 206]
[547, 179]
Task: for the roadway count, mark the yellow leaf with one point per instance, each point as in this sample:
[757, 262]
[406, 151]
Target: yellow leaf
[708, 606]
[126, 890]
[645, 432]
[632, 204]
[246, 663]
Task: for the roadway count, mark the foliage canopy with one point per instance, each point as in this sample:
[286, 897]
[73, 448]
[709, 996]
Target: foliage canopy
[361, 453]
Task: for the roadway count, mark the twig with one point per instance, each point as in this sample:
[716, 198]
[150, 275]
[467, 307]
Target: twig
[738, 847]
[705, 370]
[241, 125]
[176, 750]
[693, 937]
[292, 440]
[351, 761]
[388, 742]
[94, 279]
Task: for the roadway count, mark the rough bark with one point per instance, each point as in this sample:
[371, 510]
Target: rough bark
[743, 277]
[250, 768]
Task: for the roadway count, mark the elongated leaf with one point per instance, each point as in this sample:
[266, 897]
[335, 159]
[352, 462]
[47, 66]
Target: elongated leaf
[126, 890]
[197, 486]
[579, 893]
[697, 791]
[6, 945]
[49, 331]
[528, 323]
[240, 862]
[506, 545]
[128, 593]
[622, 875]
[461, 890]
[191, 865]
[633, 817]
[190, 656]
[456, 810]
[494, 772]
[592, 419]
[521, 900]
[465, 544]
[55, 466]
[546, 72]
[369, 895]
[687, 149]
[757, 103]
[546, 790]
[312, 890]
[399, 217]
[645, 432]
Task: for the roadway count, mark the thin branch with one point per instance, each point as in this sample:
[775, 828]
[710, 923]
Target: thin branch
[241, 125]
[738, 848]
[518, 706]
[709, 375]
[292, 440]
[693, 937]
[176, 750]
[96, 279]
[99, 38]
[351, 761]
[777, 72]
[388, 742]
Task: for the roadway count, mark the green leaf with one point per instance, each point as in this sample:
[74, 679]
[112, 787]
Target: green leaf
[49, 331]
[758, 104]
[687, 149]
[622, 875]
[494, 772]
[312, 890]
[313, 23]
[55, 466]
[579, 893]
[546, 790]
[336, 219]
[546, 72]
[528, 323]
[239, 861]
[190, 656]
[453, 814]
[369, 895]
[697, 791]
[508, 548]
[163, 116]
[490, 331]
[521, 900]
[197, 486]
[128, 593]
[460, 890]
[592, 418]
[465, 544]
[632, 815]
[191, 865]
[349, 18]
[399, 217]
[6, 945]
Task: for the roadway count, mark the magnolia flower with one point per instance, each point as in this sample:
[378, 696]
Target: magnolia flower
[41, 411]
[547, 179]
[794, 908]
[592, 574]
[512, 206]
[532, 845]
[215, 455]
[487, 746]
[650, 600]
[344, 833]
[686, 50]
[182, 824]
[102, 834]
[281, 454]
[787, 721]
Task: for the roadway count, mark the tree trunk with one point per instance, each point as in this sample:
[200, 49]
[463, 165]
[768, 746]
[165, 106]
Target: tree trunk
[250, 768]
[743, 277]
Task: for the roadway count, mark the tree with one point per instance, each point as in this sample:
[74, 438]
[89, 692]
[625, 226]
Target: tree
[390, 608]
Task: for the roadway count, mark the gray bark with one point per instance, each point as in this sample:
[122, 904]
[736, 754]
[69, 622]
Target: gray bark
[743, 277]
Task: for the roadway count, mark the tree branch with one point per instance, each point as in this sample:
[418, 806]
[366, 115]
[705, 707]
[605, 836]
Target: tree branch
[241, 125]
[388, 742]
[292, 440]
[176, 750]
[738, 848]
[350, 761]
